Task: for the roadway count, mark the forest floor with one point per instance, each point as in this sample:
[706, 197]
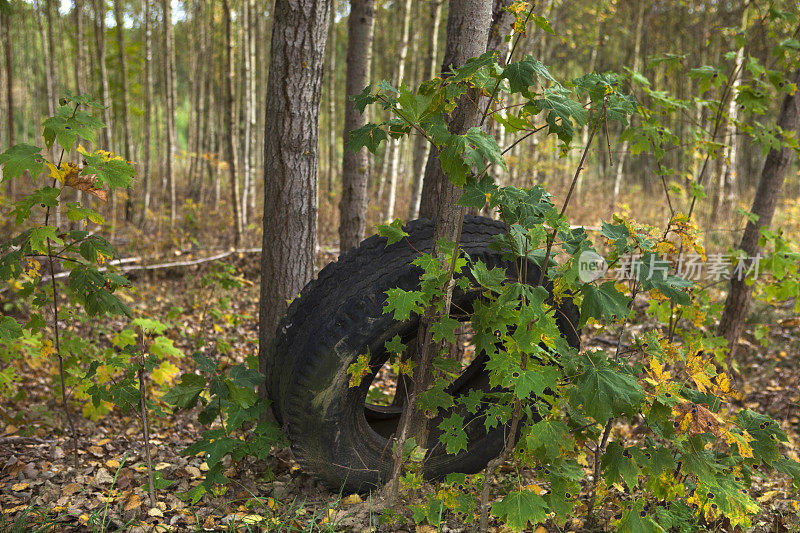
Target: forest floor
[40, 482]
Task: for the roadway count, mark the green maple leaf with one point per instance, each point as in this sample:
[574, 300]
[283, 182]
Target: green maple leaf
[434, 399]
[604, 301]
[477, 193]
[369, 135]
[547, 437]
[563, 112]
[486, 147]
[520, 507]
[38, 238]
[451, 157]
[491, 279]
[19, 158]
[403, 303]
[185, 393]
[445, 329]
[522, 74]
[605, 392]
[533, 381]
[617, 462]
[766, 433]
[115, 172]
[9, 329]
[454, 436]
[393, 232]
[636, 520]
[395, 345]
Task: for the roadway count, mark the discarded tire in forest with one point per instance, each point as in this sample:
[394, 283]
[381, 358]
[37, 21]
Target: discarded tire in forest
[334, 435]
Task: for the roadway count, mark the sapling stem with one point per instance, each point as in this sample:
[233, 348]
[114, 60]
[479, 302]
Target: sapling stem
[145, 426]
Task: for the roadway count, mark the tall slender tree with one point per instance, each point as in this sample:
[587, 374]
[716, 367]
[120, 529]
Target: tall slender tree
[291, 141]
[148, 104]
[421, 146]
[637, 62]
[332, 152]
[99, 8]
[5, 28]
[169, 107]
[127, 147]
[394, 144]
[355, 165]
[247, 108]
[231, 123]
[468, 24]
[773, 173]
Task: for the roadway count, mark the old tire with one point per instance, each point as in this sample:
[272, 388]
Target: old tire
[339, 316]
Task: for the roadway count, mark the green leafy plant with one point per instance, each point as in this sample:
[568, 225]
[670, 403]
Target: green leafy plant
[231, 408]
[42, 246]
[698, 454]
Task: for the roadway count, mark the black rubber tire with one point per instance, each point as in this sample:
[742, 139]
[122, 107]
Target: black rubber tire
[339, 316]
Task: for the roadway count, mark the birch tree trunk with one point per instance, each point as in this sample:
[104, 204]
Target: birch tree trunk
[169, 109]
[231, 124]
[5, 28]
[637, 61]
[737, 304]
[247, 111]
[421, 146]
[148, 104]
[468, 24]
[332, 152]
[119, 18]
[355, 165]
[394, 144]
[725, 194]
[291, 146]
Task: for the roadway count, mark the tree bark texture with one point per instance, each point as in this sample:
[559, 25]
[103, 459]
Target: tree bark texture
[394, 144]
[169, 109]
[148, 104]
[231, 125]
[773, 173]
[421, 145]
[355, 165]
[119, 18]
[299, 32]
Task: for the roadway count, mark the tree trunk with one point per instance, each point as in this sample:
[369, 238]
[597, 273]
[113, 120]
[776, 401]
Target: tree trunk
[394, 144]
[355, 165]
[231, 125]
[169, 108]
[502, 22]
[637, 60]
[291, 147]
[421, 146]
[5, 28]
[99, 9]
[119, 18]
[248, 112]
[332, 152]
[80, 82]
[773, 172]
[467, 35]
[148, 104]
[727, 177]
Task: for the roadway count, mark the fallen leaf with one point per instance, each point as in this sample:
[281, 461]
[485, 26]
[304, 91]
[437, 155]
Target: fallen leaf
[97, 451]
[70, 489]
[16, 487]
[103, 477]
[352, 500]
[155, 511]
[113, 463]
[134, 502]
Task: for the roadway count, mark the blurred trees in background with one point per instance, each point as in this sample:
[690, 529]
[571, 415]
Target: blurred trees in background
[184, 92]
